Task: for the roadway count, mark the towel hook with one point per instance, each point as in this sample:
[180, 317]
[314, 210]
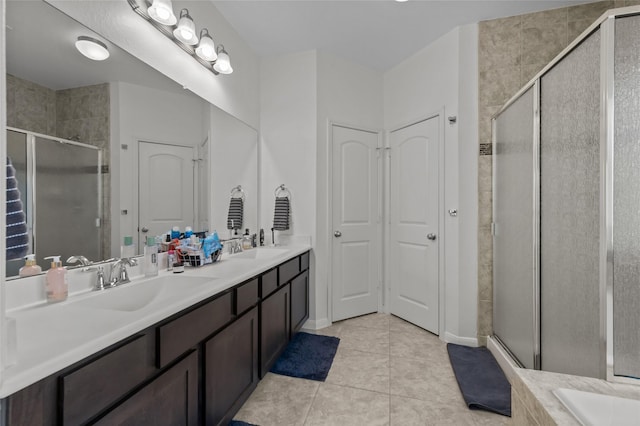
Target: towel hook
[280, 189]
[238, 190]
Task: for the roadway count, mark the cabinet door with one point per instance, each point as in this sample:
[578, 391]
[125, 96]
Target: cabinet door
[231, 368]
[170, 399]
[299, 301]
[275, 328]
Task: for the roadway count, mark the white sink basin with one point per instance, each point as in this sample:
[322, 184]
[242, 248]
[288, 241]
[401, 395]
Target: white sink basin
[594, 409]
[260, 253]
[137, 295]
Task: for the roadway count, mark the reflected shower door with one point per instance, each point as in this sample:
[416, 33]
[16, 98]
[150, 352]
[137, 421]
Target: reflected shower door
[17, 152]
[67, 200]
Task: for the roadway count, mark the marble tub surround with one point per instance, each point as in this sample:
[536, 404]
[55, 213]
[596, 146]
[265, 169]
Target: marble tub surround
[51, 337]
[386, 372]
[533, 401]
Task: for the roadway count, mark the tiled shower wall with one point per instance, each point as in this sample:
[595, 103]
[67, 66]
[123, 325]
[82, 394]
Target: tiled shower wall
[81, 114]
[511, 52]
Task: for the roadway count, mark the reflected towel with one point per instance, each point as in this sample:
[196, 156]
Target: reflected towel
[281, 214]
[17, 235]
[236, 213]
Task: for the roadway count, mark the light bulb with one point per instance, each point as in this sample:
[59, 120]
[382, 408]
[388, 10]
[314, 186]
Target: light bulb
[162, 11]
[186, 31]
[223, 64]
[206, 49]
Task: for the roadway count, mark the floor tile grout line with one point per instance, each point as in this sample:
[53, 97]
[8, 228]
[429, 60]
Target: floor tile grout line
[315, 395]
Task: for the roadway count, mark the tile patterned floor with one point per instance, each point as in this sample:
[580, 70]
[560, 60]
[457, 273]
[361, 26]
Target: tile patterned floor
[386, 372]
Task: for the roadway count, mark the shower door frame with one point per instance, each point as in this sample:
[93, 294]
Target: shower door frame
[30, 142]
[606, 23]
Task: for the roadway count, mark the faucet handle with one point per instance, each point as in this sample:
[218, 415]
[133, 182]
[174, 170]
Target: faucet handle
[101, 283]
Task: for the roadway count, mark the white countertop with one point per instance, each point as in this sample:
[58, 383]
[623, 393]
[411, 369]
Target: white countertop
[51, 337]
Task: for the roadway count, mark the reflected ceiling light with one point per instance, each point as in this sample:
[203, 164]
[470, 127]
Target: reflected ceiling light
[162, 11]
[223, 64]
[186, 30]
[206, 49]
[401, 1]
[92, 48]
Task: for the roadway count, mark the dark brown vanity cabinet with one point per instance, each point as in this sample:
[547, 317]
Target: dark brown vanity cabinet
[231, 368]
[169, 399]
[197, 367]
[275, 327]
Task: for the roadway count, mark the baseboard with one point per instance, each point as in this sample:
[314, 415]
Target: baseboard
[464, 341]
[505, 361]
[316, 324]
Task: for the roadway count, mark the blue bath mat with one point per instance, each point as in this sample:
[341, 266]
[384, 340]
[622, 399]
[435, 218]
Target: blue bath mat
[480, 378]
[307, 356]
[239, 423]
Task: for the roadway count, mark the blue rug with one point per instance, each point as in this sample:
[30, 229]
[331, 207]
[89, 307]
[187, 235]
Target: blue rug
[307, 356]
[239, 423]
[480, 378]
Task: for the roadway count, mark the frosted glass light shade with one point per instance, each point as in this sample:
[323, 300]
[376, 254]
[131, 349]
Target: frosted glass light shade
[162, 11]
[186, 30]
[92, 48]
[206, 49]
[223, 64]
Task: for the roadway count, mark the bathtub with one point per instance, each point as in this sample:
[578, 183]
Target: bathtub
[594, 409]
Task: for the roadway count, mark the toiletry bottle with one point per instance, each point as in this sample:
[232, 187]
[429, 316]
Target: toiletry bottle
[151, 258]
[127, 250]
[188, 232]
[261, 237]
[56, 281]
[246, 240]
[171, 259]
[30, 267]
[175, 232]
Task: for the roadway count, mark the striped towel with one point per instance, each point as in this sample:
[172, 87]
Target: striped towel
[236, 212]
[281, 214]
[17, 235]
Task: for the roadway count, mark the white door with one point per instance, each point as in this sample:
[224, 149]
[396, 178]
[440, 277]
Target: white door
[356, 223]
[413, 231]
[165, 189]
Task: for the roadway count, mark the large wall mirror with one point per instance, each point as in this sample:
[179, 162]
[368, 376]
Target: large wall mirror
[104, 150]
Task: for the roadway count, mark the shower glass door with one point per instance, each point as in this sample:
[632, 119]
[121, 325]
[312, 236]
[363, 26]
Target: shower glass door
[570, 213]
[67, 201]
[514, 283]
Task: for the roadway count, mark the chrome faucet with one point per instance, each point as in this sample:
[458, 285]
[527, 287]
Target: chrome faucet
[120, 267]
[81, 260]
[235, 246]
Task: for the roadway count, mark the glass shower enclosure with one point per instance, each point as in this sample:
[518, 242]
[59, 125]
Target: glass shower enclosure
[61, 193]
[567, 209]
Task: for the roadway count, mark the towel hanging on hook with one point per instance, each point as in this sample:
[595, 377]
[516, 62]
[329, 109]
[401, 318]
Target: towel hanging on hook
[236, 208]
[282, 209]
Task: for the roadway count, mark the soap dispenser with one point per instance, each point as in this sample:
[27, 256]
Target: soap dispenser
[30, 267]
[246, 240]
[56, 281]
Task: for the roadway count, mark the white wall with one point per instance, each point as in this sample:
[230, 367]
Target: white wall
[440, 78]
[236, 93]
[347, 94]
[142, 113]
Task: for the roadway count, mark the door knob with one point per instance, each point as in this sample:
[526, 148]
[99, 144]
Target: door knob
[337, 234]
[144, 229]
[432, 237]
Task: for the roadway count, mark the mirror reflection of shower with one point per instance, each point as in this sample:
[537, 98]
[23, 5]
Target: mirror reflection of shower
[61, 193]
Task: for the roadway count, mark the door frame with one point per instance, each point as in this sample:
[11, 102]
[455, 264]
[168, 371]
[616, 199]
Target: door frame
[329, 211]
[440, 114]
[135, 161]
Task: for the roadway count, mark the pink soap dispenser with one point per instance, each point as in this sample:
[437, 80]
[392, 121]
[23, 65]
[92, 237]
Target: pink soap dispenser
[56, 281]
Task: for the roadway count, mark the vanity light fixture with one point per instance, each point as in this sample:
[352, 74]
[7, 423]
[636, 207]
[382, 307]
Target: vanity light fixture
[162, 11]
[92, 48]
[223, 64]
[206, 49]
[159, 14]
[186, 30]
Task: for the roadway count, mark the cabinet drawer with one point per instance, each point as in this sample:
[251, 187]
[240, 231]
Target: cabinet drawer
[92, 388]
[304, 261]
[269, 282]
[177, 336]
[288, 270]
[246, 296]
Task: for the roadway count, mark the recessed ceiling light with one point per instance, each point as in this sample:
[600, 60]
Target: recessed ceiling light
[401, 1]
[92, 48]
